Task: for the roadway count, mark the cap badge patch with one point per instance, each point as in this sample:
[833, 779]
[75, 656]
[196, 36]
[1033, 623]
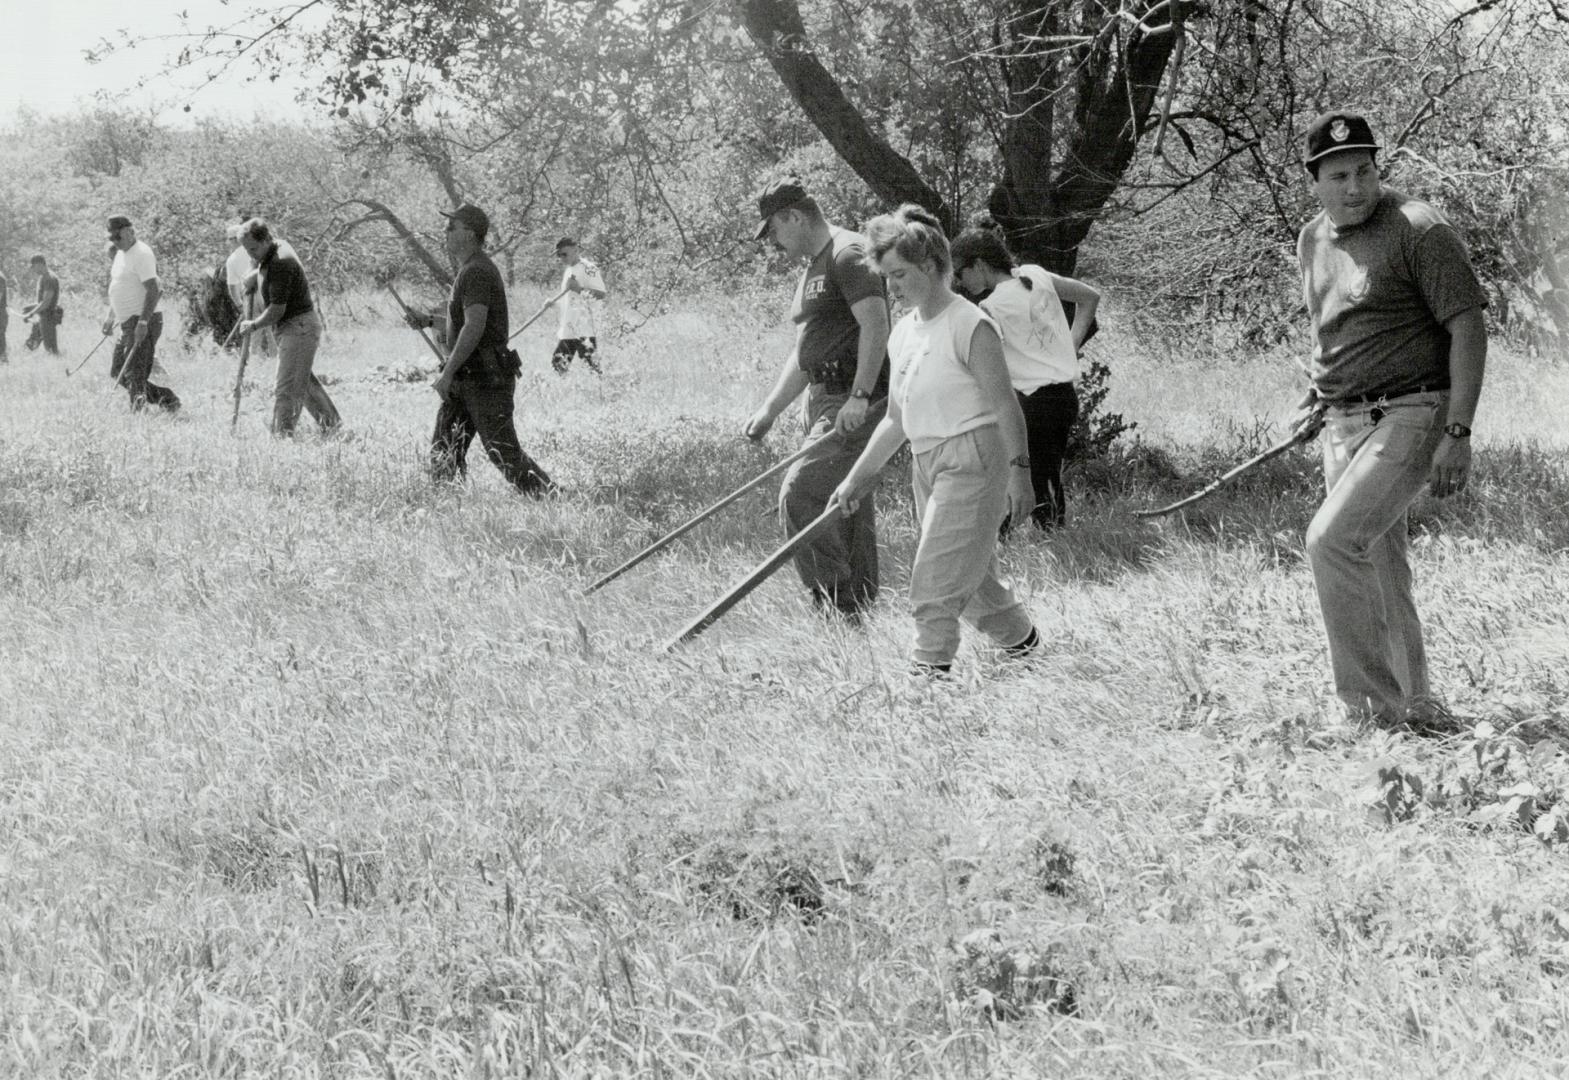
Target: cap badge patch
[1339, 131]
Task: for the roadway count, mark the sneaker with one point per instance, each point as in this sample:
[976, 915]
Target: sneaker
[1024, 649]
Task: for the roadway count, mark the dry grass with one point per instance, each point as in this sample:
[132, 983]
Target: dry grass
[310, 769]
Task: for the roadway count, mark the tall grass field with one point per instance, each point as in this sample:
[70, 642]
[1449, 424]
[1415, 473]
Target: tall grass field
[312, 768]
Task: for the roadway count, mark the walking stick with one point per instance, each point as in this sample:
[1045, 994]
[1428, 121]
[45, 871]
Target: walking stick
[740, 590]
[1303, 434]
[72, 371]
[440, 360]
[245, 354]
[681, 530]
[537, 314]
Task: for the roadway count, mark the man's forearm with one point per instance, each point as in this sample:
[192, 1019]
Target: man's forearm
[792, 380]
[468, 338]
[271, 317]
[1467, 364]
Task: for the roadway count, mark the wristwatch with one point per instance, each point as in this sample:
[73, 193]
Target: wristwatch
[1457, 431]
[864, 395]
[1020, 462]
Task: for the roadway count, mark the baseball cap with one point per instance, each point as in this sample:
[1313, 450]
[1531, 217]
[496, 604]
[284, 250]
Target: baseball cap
[1332, 132]
[119, 221]
[779, 195]
[470, 217]
[37, 259]
[565, 242]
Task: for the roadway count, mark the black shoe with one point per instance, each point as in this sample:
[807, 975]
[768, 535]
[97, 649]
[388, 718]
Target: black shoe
[922, 670]
[1025, 648]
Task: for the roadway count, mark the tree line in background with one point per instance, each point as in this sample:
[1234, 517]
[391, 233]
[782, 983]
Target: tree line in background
[1151, 146]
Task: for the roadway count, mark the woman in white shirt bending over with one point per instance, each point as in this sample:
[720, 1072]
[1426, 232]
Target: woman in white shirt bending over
[950, 395]
[1042, 350]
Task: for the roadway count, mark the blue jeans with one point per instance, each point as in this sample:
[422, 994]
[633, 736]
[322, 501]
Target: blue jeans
[1376, 461]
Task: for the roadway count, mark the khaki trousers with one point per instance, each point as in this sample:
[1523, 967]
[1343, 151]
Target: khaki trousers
[1376, 461]
[961, 495]
[297, 386]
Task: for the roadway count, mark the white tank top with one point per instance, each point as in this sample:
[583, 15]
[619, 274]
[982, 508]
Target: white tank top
[939, 397]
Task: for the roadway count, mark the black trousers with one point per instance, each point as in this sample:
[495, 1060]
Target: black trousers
[483, 409]
[567, 348]
[132, 367]
[1049, 414]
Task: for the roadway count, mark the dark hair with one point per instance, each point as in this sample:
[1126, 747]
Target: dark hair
[983, 242]
[36, 259]
[257, 230]
[911, 231]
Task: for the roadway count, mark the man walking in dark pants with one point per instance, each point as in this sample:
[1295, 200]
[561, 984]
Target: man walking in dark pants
[479, 377]
[841, 360]
[135, 306]
[45, 308]
[5, 313]
[1400, 347]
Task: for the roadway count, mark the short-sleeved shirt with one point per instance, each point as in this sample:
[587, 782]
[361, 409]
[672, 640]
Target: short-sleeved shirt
[48, 295]
[577, 317]
[5, 298]
[1037, 341]
[937, 393]
[283, 282]
[1379, 294]
[836, 279]
[479, 282]
[128, 275]
[237, 266]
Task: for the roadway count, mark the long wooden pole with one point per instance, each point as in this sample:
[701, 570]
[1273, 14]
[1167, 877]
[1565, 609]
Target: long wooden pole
[1300, 436]
[742, 588]
[440, 359]
[537, 314]
[665, 541]
[245, 354]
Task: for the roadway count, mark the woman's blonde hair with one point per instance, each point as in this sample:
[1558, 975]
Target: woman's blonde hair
[911, 231]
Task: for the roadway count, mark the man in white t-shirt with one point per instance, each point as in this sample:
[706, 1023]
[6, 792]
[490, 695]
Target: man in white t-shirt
[136, 307]
[583, 287]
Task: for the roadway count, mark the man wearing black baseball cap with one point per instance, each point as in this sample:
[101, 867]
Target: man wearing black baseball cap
[1400, 346]
[479, 378]
[841, 360]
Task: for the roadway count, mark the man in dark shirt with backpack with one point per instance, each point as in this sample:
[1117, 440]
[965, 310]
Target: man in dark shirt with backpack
[479, 377]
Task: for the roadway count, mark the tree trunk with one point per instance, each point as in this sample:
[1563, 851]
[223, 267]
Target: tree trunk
[380, 212]
[1118, 75]
[778, 30]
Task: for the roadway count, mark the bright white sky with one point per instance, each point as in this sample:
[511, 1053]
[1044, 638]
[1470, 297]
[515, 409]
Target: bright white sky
[42, 65]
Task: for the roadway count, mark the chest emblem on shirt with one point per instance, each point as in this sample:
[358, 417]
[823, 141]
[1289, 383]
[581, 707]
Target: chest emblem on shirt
[815, 287]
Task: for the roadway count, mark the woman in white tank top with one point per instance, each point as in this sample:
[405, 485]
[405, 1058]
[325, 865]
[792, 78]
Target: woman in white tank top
[950, 395]
[1042, 350]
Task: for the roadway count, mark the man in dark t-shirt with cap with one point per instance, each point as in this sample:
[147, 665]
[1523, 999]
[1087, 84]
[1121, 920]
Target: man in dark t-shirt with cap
[841, 360]
[479, 377]
[290, 311]
[1400, 346]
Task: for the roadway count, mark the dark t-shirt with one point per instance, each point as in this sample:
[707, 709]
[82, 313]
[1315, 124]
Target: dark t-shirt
[836, 279]
[283, 282]
[479, 282]
[48, 295]
[1379, 294]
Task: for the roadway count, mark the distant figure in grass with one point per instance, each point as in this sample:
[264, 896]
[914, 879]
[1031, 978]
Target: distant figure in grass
[1400, 347]
[5, 314]
[577, 333]
[45, 309]
[1041, 349]
[840, 359]
[136, 307]
[952, 398]
[237, 269]
[290, 312]
[479, 378]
